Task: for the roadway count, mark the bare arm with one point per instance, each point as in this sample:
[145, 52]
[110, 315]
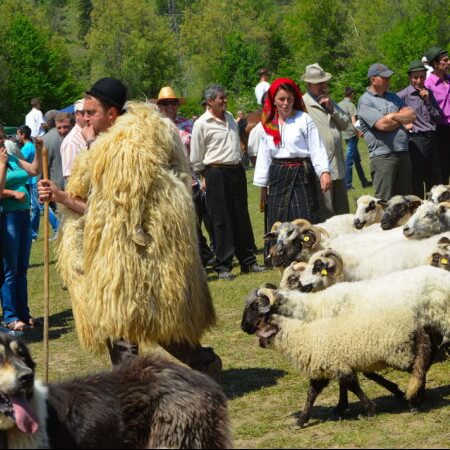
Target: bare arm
[35, 167]
[3, 166]
[49, 191]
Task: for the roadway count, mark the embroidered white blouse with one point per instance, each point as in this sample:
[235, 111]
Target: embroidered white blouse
[299, 139]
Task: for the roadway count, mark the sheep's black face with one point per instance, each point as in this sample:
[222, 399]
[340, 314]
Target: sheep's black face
[266, 333]
[392, 215]
[255, 311]
[444, 197]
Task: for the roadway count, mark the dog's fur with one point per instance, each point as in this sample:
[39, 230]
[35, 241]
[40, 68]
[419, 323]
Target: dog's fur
[147, 402]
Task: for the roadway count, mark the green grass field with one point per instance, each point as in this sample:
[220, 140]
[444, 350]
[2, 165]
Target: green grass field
[264, 390]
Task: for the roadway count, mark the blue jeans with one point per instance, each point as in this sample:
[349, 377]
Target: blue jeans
[36, 209]
[351, 157]
[15, 240]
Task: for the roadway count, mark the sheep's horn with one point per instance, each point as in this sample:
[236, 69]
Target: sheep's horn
[317, 231]
[275, 227]
[330, 253]
[413, 198]
[299, 266]
[268, 286]
[267, 293]
[301, 222]
[446, 204]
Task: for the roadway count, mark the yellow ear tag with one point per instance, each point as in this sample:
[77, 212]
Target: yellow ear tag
[444, 261]
[324, 272]
[306, 238]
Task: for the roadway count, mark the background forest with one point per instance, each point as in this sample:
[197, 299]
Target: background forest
[54, 49]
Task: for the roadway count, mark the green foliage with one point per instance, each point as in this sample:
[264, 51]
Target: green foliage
[129, 41]
[35, 65]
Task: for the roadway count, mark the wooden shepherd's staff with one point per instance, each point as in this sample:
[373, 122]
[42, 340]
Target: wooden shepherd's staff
[46, 267]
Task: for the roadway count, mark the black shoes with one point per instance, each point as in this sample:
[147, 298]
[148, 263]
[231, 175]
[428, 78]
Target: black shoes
[254, 268]
[367, 184]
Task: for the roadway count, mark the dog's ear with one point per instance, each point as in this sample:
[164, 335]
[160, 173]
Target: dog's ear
[21, 350]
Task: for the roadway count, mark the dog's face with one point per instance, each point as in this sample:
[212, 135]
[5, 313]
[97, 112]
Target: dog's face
[16, 385]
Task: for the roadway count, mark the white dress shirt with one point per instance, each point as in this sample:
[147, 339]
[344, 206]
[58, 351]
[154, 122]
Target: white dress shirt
[254, 139]
[299, 139]
[261, 88]
[72, 144]
[214, 141]
[34, 119]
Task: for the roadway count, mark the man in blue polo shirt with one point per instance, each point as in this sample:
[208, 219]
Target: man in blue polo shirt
[384, 121]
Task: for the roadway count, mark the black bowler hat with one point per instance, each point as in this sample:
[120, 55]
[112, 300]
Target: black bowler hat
[416, 66]
[110, 90]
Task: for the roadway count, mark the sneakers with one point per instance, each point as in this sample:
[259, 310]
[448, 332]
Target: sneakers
[255, 268]
[226, 276]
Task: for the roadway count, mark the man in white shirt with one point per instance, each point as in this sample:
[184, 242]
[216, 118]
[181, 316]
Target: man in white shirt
[263, 86]
[35, 119]
[74, 142]
[216, 156]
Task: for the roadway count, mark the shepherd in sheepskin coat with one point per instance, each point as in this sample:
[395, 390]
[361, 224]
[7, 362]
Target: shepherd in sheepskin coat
[131, 262]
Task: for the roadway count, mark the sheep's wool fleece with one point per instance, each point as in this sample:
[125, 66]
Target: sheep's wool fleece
[131, 262]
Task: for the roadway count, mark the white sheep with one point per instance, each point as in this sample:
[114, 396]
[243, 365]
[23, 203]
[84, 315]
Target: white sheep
[339, 347]
[439, 193]
[429, 219]
[440, 256]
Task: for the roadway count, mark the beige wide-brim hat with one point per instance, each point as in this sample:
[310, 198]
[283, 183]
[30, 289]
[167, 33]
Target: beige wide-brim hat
[167, 93]
[315, 74]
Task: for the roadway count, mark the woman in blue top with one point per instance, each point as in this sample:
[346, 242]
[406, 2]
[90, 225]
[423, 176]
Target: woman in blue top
[15, 239]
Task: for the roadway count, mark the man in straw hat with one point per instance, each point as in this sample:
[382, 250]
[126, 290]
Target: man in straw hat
[330, 121]
[438, 82]
[383, 116]
[423, 146]
[168, 103]
[129, 232]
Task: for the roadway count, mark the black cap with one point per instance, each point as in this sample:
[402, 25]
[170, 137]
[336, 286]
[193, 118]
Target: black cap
[110, 90]
[416, 66]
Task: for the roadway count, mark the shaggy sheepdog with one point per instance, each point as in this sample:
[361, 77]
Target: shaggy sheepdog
[146, 402]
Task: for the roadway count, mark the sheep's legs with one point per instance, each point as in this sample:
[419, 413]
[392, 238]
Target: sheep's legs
[343, 399]
[422, 362]
[352, 384]
[389, 385]
[315, 388]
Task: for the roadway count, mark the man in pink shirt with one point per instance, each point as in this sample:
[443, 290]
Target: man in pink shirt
[438, 83]
[74, 142]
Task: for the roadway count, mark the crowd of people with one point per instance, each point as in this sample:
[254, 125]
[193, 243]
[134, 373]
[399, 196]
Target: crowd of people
[297, 148]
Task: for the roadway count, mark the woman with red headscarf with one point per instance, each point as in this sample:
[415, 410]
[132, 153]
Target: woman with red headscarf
[290, 158]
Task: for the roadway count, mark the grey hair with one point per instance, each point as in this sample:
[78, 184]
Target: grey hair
[213, 91]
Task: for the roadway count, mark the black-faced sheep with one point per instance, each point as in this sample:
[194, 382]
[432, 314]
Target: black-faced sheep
[441, 255]
[329, 348]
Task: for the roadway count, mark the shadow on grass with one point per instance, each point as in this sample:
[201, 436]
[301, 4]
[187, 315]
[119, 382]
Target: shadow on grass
[435, 399]
[41, 264]
[238, 382]
[59, 324]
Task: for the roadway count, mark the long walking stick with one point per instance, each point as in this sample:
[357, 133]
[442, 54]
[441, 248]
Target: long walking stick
[46, 267]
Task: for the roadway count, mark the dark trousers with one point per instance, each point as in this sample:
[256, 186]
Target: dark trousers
[443, 137]
[425, 162]
[391, 174]
[205, 252]
[227, 205]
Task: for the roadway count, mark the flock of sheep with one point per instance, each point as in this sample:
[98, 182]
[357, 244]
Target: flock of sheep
[360, 293]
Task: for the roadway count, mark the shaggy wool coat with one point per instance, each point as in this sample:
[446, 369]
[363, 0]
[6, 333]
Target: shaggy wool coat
[131, 262]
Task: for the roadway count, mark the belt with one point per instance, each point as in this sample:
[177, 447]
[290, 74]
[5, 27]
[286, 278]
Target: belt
[422, 133]
[225, 166]
[290, 162]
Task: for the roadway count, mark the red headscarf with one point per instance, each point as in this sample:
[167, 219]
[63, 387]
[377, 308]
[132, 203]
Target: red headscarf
[269, 116]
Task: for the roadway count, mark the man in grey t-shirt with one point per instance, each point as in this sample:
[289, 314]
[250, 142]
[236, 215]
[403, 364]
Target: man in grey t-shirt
[384, 118]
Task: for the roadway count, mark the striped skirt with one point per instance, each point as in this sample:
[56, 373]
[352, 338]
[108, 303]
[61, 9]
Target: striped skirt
[292, 191]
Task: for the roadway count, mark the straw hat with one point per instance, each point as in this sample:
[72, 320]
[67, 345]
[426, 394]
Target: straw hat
[167, 93]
